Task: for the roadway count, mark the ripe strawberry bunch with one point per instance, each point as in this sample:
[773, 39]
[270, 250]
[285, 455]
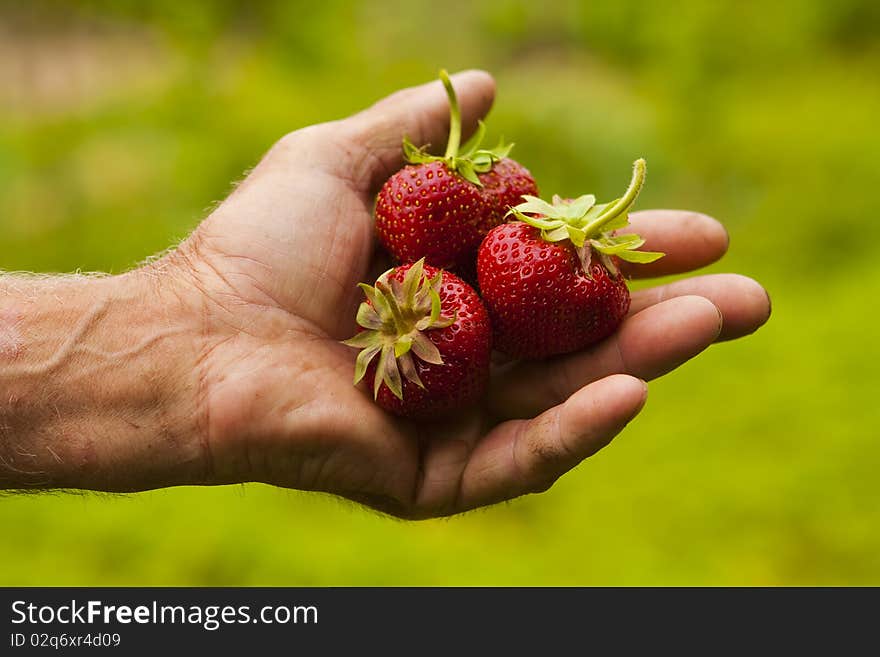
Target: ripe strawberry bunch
[548, 272]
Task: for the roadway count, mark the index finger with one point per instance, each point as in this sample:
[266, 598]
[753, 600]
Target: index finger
[689, 239]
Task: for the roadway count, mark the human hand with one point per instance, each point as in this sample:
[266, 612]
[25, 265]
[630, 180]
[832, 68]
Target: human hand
[272, 276]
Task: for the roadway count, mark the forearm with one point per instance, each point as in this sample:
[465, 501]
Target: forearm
[98, 384]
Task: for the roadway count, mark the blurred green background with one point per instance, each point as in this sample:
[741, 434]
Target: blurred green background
[121, 123]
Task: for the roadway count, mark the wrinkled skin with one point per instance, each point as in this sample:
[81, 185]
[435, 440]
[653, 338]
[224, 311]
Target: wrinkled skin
[272, 275]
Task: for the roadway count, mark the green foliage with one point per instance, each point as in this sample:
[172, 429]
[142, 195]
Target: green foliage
[122, 123]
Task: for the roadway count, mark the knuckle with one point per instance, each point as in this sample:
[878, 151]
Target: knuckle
[545, 456]
[543, 486]
[287, 144]
[294, 146]
[388, 505]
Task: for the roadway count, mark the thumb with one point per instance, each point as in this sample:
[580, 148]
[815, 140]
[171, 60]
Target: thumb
[365, 149]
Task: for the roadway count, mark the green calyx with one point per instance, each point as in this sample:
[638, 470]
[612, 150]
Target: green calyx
[468, 160]
[590, 226]
[395, 318]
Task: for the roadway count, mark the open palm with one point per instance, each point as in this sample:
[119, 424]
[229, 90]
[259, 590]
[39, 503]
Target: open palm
[275, 269]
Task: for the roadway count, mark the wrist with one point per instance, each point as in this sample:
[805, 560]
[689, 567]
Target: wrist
[102, 385]
[169, 325]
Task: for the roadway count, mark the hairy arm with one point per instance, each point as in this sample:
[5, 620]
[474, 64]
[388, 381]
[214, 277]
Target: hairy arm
[221, 362]
[97, 383]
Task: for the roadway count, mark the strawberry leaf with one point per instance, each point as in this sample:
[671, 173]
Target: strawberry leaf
[376, 299]
[616, 245]
[534, 205]
[408, 367]
[412, 279]
[556, 234]
[426, 350]
[640, 256]
[467, 160]
[368, 317]
[389, 373]
[577, 235]
[465, 168]
[590, 226]
[362, 339]
[585, 255]
[537, 222]
[395, 318]
[577, 208]
[618, 222]
[471, 145]
[403, 345]
[363, 360]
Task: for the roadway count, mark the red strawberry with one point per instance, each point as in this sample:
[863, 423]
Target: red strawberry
[430, 326]
[551, 281]
[440, 207]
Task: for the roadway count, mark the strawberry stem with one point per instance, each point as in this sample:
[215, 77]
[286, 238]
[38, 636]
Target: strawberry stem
[400, 324]
[590, 227]
[454, 142]
[624, 202]
[474, 160]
